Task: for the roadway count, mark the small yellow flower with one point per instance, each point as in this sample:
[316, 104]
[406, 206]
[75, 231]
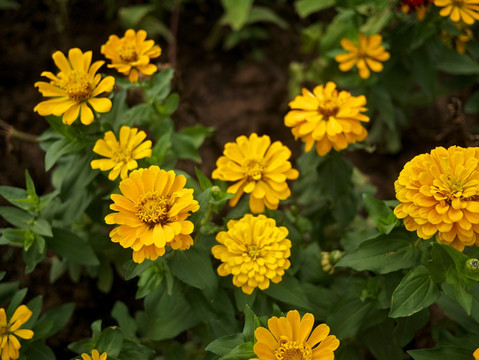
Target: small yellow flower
[459, 10]
[131, 54]
[439, 194]
[366, 56]
[95, 355]
[476, 354]
[75, 88]
[258, 168]
[290, 338]
[122, 154]
[9, 344]
[254, 250]
[329, 118]
[152, 211]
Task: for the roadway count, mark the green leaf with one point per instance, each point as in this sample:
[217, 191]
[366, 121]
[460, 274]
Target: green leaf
[264, 14]
[290, 291]
[348, 316]
[16, 196]
[194, 268]
[440, 263]
[184, 148]
[225, 344]
[24, 220]
[105, 276]
[159, 87]
[416, 291]
[407, 327]
[203, 180]
[197, 134]
[110, 341]
[134, 269]
[380, 213]
[307, 7]
[131, 16]
[9, 5]
[240, 352]
[72, 247]
[121, 314]
[150, 279]
[334, 174]
[58, 149]
[39, 351]
[384, 254]
[236, 12]
[250, 324]
[56, 318]
[472, 104]
[452, 62]
[16, 302]
[441, 353]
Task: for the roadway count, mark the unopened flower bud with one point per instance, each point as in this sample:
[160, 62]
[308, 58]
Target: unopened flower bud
[472, 265]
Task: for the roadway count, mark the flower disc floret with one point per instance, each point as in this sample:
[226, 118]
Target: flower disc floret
[291, 338]
[258, 168]
[327, 118]
[121, 154]
[9, 344]
[152, 211]
[131, 54]
[254, 250]
[367, 55]
[75, 88]
[439, 194]
[466, 11]
[95, 355]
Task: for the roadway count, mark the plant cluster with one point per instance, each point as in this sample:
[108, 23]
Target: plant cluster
[267, 257]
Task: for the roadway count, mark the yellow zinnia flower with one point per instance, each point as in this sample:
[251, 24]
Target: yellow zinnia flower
[459, 10]
[122, 155]
[95, 355]
[290, 338]
[329, 118]
[131, 54]
[76, 86]
[476, 354]
[366, 56]
[254, 250]
[259, 169]
[152, 212]
[9, 344]
[439, 194]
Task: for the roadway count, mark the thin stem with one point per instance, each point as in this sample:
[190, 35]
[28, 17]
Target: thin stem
[10, 131]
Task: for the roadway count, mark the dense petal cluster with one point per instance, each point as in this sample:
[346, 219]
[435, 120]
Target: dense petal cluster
[121, 154]
[367, 55]
[466, 11]
[439, 194]
[131, 54]
[95, 355]
[75, 88]
[290, 338]
[152, 211]
[258, 168]
[254, 250]
[9, 344]
[327, 118]
[416, 6]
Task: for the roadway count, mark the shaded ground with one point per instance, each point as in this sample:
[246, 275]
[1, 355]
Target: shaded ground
[226, 90]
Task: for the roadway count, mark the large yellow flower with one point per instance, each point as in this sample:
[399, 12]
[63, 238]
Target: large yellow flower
[259, 169]
[329, 118]
[122, 154]
[131, 54]
[95, 355]
[290, 338]
[459, 10]
[254, 250]
[366, 56]
[439, 194]
[152, 212]
[75, 88]
[476, 354]
[9, 344]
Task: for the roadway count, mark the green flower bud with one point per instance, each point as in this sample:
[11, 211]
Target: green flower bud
[472, 265]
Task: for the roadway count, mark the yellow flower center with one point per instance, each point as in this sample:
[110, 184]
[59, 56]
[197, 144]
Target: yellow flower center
[291, 350]
[457, 3]
[122, 155]
[128, 54]
[153, 208]
[328, 108]
[253, 169]
[76, 84]
[253, 251]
